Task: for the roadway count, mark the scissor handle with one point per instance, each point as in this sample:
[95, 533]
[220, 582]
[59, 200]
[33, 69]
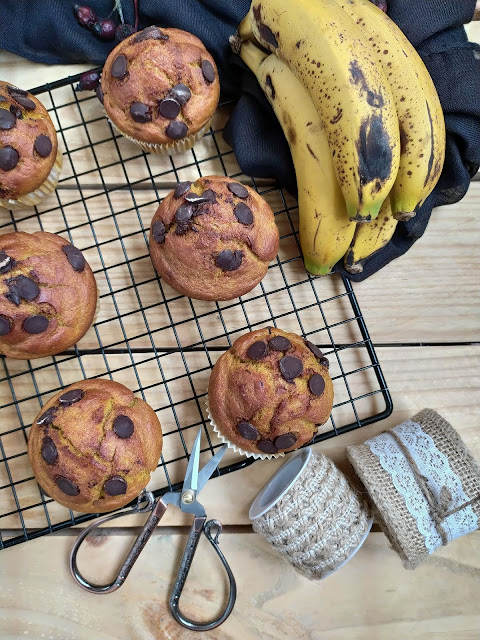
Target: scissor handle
[199, 525]
[158, 510]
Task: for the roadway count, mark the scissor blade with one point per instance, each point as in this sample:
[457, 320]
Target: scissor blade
[206, 471]
[191, 477]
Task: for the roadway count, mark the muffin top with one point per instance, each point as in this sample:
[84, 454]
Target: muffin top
[270, 391]
[160, 85]
[48, 294]
[94, 445]
[28, 142]
[213, 239]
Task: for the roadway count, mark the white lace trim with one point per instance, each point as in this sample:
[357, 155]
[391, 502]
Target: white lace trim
[434, 465]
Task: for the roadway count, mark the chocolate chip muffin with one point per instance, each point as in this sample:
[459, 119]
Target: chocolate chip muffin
[160, 88]
[93, 446]
[48, 295]
[213, 239]
[30, 163]
[269, 392]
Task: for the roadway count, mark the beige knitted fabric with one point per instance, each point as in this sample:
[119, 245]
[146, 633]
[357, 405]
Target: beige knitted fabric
[319, 522]
[398, 524]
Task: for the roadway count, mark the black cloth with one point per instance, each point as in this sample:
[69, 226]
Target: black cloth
[46, 31]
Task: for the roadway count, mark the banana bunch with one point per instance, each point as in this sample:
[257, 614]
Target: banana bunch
[360, 113]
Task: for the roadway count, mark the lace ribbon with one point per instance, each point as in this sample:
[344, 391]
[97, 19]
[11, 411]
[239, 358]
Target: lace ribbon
[432, 492]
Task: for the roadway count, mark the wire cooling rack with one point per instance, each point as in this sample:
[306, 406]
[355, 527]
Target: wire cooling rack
[161, 344]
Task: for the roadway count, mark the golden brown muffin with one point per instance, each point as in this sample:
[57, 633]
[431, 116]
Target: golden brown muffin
[213, 239]
[28, 148]
[269, 392]
[160, 86]
[48, 294]
[93, 446]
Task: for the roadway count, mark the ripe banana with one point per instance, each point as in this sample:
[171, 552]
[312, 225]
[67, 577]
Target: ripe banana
[420, 116]
[325, 50]
[369, 238]
[324, 227]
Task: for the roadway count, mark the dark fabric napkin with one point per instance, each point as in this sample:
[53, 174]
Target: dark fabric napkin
[46, 31]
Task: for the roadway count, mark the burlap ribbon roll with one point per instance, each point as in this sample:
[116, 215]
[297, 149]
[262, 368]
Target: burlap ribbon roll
[423, 482]
[311, 515]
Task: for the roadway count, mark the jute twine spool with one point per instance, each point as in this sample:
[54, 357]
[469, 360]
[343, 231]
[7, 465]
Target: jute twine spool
[319, 521]
[423, 482]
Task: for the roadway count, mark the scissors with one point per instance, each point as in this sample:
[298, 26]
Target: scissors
[186, 500]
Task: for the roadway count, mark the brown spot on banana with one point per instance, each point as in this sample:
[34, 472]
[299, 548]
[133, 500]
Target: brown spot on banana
[337, 117]
[269, 84]
[374, 151]
[265, 32]
[312, 153]
[357, 77]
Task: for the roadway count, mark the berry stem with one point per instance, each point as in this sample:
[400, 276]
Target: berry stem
[118, 7]
[135, 2]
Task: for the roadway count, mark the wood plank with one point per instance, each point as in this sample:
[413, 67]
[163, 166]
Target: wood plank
[444, 378]
[371, 597]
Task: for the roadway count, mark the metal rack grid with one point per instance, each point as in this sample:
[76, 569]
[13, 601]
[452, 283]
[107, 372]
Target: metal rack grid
[159, 343]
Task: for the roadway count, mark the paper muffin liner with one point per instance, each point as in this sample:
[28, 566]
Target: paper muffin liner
[235, 447]
[179, 146]
[45, 189]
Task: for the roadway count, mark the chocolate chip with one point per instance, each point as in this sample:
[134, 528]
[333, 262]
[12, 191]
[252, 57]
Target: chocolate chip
[182, 228]
[290, 367]
[247, 430]
[115, 486]
[208, 70]
[279, 343]
[28, 104]
[237, 189]
[169, 108]
[181, 93]
[27, 288]
[3, 99]
[257, 350]
[4, 326]
[15, 90]
[70, 397]
[49, 450]
[267, 446]
[7, 119]
[229, 260]
[99, 93]
[67, 486]
[8, 158]
[13, 294]
[316, 384]
[74, 257]
[181, 188]
[119, 67]
[150, 33]
[158, 232]
[47, 417]
[176, 130]
[6, 262]
[43, 146]
[123, 426]
[314, 349]
[140, 112]
[325, 362]
[184, 213]
[285, 441]
[16, 111]
[243, 213]
[194, 198]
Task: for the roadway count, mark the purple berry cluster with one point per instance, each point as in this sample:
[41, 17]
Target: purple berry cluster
[103, 28]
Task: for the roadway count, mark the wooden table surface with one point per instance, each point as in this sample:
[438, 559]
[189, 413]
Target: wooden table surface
[423, 315]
